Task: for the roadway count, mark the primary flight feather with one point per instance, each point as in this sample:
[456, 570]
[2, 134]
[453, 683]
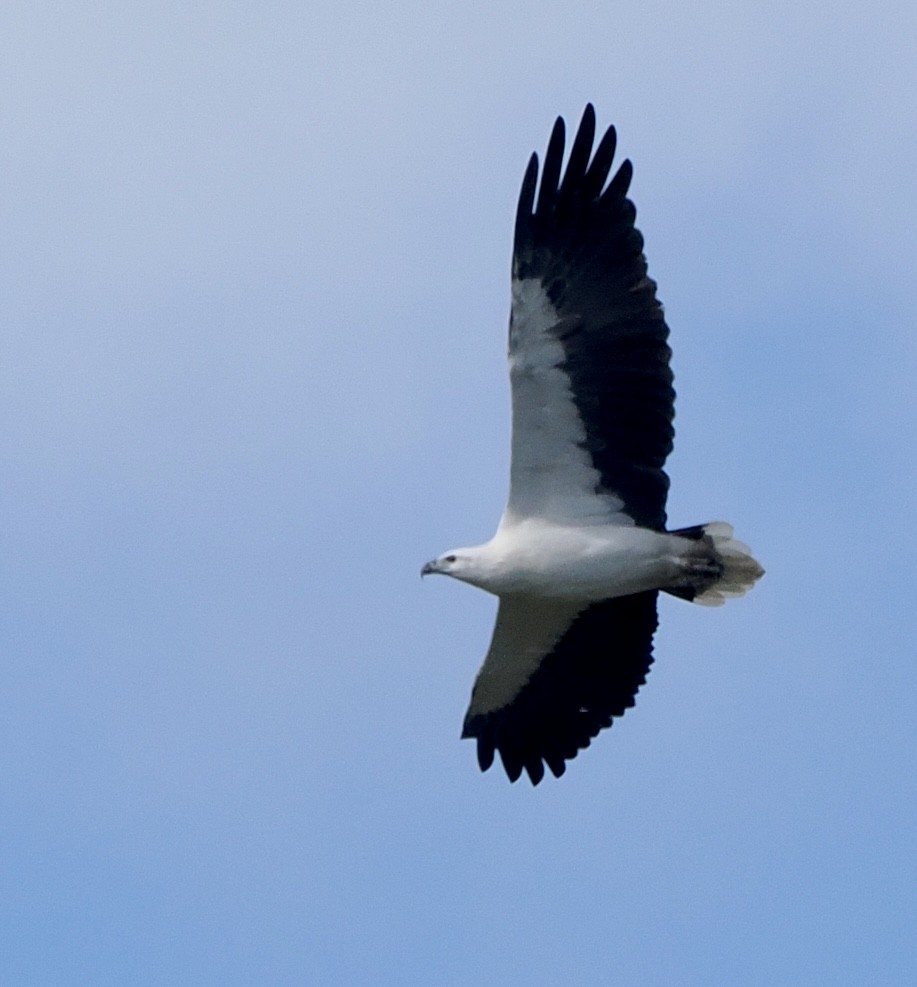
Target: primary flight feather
[582, 549]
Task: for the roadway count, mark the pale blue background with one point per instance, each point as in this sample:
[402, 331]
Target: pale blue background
[255, 263]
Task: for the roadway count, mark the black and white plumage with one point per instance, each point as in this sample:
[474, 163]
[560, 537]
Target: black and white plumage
[582, 549]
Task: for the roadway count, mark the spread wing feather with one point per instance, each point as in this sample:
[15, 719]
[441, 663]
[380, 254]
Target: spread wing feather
[593, 402]
[554, 678]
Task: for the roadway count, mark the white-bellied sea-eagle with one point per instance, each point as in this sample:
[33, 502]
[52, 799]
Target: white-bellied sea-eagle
[582, 549]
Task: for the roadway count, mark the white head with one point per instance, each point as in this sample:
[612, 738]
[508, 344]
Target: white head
[467, 564]
[450, 564]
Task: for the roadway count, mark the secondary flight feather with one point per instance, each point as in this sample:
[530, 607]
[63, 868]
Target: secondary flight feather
[582, 550]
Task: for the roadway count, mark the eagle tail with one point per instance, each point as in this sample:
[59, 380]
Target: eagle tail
[716, 566]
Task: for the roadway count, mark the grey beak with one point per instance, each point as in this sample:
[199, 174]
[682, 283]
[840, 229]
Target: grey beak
[429, 568]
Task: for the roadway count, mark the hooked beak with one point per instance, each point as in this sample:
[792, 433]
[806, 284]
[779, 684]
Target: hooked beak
[429, 569]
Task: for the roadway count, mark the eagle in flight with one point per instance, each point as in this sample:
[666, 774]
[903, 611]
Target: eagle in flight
[582, 550]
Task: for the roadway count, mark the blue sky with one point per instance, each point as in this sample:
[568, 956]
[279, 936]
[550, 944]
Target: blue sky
[255, 267]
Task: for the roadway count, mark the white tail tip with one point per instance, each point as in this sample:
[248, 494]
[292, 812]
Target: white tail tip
[740, 570]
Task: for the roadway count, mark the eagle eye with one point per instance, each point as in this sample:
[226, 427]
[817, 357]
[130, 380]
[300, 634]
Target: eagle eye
[450, 558]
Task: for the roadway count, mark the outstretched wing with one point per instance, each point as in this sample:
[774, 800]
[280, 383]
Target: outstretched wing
[555, 676]
[589, 363]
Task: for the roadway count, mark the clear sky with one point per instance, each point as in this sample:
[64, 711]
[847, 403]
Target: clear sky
[255, 268]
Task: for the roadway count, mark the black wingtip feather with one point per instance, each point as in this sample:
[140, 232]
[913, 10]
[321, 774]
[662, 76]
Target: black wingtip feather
[557, 765]
[535, 770]
[526, 196]
[583, 179]
[512, 762]
[550, 173]
[597, 174]
[579, 154]
[618, 186]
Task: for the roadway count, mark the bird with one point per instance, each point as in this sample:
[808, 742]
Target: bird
[582, 550]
